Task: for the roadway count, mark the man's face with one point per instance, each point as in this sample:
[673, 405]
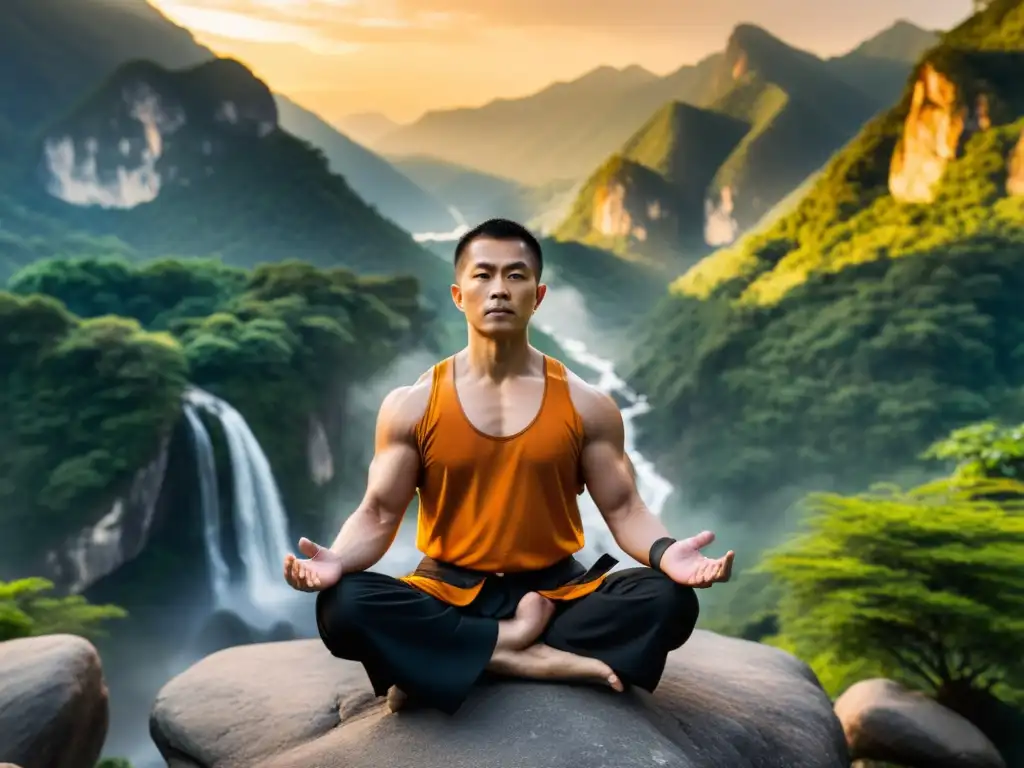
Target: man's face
[497, 286]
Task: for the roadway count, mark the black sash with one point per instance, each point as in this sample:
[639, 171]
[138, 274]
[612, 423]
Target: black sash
[566, 572]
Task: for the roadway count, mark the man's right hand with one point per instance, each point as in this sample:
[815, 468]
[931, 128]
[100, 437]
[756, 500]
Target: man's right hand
[320, 571]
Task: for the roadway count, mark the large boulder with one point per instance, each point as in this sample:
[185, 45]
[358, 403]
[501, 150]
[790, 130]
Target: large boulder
[53, 702]
[723, 702]
[884, 721]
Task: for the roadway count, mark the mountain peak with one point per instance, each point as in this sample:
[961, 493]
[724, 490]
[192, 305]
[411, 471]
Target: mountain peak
[901, 41]
[671, 140]
[754, 49]
[146, 127]
[223, 91]
[753, 40]
[606, 74]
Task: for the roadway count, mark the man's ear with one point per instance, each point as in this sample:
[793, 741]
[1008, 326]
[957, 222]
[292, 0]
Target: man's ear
[542, 291]
[457, 296]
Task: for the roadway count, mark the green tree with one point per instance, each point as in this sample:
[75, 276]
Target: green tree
[26, 610]
[983, 450]
[924, 586]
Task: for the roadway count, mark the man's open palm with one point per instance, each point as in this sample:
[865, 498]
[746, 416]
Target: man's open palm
[684, 564]
[320, 571]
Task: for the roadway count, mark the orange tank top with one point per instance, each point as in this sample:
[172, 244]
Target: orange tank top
[500, 504]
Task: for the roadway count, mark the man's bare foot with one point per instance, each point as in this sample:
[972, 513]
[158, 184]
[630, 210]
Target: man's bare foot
[397, 698]
[532, 615]
[542, 662]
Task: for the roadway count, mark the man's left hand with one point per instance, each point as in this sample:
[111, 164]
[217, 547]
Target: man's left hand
[684, 564]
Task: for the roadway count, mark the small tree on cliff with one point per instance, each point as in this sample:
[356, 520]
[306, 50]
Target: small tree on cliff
[924, 586]
[984, 450]
[26, 610]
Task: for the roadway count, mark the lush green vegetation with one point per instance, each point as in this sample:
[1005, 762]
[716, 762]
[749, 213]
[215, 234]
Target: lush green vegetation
[26, 611]
[844, 381]
[97, 352]
[983, 450]
[827, 350]
[29, 236]
[924, 586]
[81, 402]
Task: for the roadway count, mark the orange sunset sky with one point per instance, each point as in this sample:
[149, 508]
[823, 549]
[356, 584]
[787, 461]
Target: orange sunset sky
[402, 57]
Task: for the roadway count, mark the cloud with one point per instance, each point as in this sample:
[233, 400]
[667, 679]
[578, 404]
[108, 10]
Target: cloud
[343, 26]
[685, 14]
[322, 26]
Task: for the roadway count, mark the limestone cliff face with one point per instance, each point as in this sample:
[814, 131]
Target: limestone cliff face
[940, 121]
[147, 128]
[619, 214]
[319, 455]
[720, 224]
[119, 534]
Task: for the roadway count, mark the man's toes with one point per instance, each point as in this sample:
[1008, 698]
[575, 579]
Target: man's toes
[397, 699]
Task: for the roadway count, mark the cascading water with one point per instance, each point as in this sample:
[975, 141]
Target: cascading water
[206, 467]
[260, 522]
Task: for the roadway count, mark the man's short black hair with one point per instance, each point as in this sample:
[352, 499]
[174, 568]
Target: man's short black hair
[501, 229]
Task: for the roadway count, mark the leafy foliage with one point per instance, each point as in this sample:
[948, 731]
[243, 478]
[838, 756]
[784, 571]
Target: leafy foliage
[81, 402]
[848, 378]
[26, 610]
[985, 450]
[156, 293]
[88, 397]
[927, 584]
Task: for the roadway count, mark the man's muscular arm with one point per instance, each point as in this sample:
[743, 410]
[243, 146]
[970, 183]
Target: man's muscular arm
[610, 476]
[371, 528]
[369, 531]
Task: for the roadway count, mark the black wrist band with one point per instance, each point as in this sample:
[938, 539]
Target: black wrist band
[658, 550]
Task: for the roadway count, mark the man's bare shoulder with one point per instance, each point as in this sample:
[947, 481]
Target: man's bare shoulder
[597, 409]
[403, 407]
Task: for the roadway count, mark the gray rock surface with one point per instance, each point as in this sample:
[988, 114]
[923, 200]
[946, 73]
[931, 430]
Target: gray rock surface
[886, 722]
[723, 703]
[53, 702]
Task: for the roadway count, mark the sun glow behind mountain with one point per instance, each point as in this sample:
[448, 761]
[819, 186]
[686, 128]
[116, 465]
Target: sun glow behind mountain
[402, 57]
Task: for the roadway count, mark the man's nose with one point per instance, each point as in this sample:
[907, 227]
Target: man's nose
[499, 290]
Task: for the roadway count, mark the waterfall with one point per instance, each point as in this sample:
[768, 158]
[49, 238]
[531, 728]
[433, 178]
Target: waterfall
[210, 506]
[260, 522]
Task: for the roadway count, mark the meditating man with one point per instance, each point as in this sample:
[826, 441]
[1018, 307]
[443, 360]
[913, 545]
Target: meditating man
[498, 441]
